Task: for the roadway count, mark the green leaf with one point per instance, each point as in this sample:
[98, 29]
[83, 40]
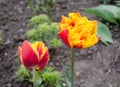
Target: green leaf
[38, 79]
[107, 12]
[46, 32]
[67, 77]
[23, 73]
[39, 19]
[60, 84]
[104, 32]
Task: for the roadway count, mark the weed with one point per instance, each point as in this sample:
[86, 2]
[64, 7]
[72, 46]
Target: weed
[43, 30]
[46, 77]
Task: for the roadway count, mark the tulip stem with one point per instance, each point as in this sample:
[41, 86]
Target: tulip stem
[34, 77]
[72, 69]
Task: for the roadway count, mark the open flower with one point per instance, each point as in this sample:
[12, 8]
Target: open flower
[77, 31]
[33, 55]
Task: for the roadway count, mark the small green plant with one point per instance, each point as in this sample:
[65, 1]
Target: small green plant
[45, 6]
[41, 5]
[43, 30]
[40, 19]
[117, 3]
[51, 77]
[47, 77]
[104, 1]
[112, 85]
[24, 74]
[1, 40]
[30, 6]
[3, 17]
[55, 42]
[67, 78]
[112, 2]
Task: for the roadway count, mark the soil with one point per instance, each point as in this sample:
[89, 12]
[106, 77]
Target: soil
[97, 66]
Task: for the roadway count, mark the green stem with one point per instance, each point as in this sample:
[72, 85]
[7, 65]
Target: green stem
[48, 5]
[72, 68]
[31, 6]
[34, 77]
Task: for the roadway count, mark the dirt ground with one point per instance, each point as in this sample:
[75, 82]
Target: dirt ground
[98, 66]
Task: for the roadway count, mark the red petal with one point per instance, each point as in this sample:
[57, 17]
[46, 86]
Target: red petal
[43, 62]
[29, 56]
[64, 36]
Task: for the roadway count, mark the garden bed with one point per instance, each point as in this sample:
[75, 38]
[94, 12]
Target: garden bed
[97, 66]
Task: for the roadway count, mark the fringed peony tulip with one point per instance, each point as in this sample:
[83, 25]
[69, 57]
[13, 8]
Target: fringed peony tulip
[77, 31]
[33, 55]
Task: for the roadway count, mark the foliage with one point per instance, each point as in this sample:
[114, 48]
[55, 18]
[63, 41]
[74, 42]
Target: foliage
[55, 42]
[46, 77]
[1, 40]
[104, 32]
[29, 3]
[42, 5]
[112, 85]
[36, 20]
[51, 77]
[24, 74]
[43, 30]
[67, 79]
[104, 1]
[117, 2]
[107, 12]
[3, 17]
[114, 2]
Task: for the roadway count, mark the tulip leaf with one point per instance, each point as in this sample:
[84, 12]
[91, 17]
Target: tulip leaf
[38, 79]
[107, 12]
[104, 32]
[60, 84]
[67, 77]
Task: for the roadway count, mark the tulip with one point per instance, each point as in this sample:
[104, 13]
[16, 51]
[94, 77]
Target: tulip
[33, 55]
[77, 31]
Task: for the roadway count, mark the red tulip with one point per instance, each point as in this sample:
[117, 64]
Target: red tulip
[33, 55]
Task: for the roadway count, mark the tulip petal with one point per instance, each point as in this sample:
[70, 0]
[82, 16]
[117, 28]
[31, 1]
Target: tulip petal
[19, 50]
[43, 62]
[29, 55]
[20, 53]
[64, 36]
[40, 49]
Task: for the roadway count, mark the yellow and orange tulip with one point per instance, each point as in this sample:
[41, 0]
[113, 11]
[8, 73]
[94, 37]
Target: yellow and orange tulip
[77, 31]
[33, 55]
